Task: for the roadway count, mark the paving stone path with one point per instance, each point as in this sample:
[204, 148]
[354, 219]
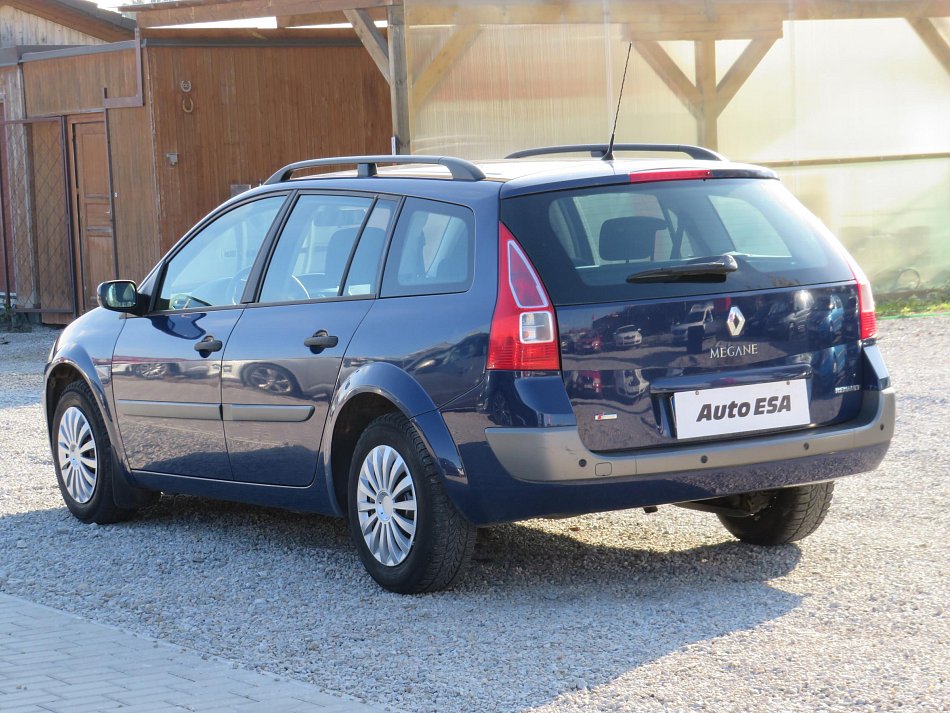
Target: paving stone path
[52, 662]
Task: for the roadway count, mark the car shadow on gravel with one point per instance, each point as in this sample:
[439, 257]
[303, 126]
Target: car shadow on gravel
[545, 611]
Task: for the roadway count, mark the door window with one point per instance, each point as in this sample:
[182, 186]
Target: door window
[314, 248]
[432, 251]
[212, 269]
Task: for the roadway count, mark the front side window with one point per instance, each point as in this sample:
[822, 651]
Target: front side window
[212, 269]
[433, 250]
[314, 248]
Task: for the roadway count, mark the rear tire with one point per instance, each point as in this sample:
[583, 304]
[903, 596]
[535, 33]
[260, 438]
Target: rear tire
[792, 514]
[83, 458]
[409, 536]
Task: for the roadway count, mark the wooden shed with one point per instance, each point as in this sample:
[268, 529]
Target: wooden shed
[160, 129]
[31, 26]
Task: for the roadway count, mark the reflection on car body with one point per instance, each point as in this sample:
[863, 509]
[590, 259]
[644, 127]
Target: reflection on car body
[628, 336]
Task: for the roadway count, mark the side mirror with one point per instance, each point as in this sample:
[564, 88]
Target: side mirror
[120, 296]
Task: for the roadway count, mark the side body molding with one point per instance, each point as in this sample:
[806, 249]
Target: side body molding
[392, 383]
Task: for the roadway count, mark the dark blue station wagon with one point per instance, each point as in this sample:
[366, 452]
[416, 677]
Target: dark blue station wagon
[442, 345]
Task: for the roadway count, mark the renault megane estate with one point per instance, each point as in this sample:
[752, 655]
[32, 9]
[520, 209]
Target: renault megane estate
[389, 346]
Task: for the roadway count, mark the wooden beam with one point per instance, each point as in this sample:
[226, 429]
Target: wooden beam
[866, 9]
[675, 19]
[399, 79]
[803, 163]
[931, 37]
[705, 59]
[316, 18]
[741, 70]
[185, 12]
[448, 55]
[691, 15]
[325, 18]
[372, 39]
[667, 70]
[67, 16]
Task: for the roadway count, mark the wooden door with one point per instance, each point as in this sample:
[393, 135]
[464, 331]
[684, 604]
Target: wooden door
[92, 216]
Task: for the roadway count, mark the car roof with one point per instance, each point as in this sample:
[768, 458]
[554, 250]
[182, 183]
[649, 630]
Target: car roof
[509, 177]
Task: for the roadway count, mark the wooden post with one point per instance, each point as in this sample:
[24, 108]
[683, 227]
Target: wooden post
[399, 80]
[708, 115]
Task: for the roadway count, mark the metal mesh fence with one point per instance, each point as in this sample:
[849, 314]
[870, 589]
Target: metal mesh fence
[38, 271]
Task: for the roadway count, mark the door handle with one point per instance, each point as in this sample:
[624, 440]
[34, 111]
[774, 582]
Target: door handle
[321, 340]
[208, 344]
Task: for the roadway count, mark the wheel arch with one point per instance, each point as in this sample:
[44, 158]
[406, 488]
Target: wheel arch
[369, 392]
[64, 372]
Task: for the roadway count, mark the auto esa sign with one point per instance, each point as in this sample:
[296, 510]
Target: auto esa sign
[741, 409]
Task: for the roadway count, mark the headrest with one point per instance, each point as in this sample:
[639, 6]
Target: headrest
[629, 238]
[342, 239]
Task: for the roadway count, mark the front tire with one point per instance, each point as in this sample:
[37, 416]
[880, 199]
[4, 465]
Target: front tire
[82, 456]
[792, 514]
[409, 536]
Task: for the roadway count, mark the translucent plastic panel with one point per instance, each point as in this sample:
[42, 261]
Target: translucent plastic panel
[854, 114]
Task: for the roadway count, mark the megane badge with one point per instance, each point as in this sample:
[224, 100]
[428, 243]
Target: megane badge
[735, 321]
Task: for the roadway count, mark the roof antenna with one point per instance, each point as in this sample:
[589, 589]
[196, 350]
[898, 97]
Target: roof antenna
[609, 155]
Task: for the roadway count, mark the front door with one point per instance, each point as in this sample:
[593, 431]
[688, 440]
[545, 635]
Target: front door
[282, 362]
[92, 216]
[167, 365]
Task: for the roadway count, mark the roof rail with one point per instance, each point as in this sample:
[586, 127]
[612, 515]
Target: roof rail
[600, 150]
[460, 169]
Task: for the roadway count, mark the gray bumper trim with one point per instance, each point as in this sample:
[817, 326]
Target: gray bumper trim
[548, 455]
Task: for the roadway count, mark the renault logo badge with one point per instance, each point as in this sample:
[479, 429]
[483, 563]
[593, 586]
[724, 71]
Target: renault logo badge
[735, 321]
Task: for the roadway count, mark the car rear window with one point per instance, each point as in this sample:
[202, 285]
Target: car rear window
[586, 242]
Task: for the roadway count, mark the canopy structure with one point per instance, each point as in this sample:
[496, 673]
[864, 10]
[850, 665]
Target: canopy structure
[647, 23]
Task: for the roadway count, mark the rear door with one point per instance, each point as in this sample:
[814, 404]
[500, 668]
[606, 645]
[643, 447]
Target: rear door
[282, 361]
[773, 345]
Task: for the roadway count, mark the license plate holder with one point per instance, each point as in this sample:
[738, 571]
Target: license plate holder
[748, 408]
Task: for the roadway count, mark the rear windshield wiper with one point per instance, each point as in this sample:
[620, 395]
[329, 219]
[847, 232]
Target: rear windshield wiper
[698, 270]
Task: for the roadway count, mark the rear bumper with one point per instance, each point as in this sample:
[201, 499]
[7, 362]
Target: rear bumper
[557, 455]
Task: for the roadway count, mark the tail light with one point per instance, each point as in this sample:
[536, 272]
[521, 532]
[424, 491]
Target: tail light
[865, 300]
[523, 329]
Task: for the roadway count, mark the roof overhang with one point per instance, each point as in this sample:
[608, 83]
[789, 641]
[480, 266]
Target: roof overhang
[80, 15]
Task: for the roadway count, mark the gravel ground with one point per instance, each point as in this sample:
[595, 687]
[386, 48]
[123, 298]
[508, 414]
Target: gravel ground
[614, 612]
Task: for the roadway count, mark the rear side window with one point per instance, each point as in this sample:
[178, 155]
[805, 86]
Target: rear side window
[432, 250]
[586, 242]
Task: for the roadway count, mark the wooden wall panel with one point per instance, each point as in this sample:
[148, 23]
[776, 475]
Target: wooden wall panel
[73, 85]
[136, 189]
[252, 110]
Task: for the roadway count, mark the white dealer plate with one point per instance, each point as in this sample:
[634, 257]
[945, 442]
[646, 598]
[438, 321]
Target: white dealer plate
[741, 409]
